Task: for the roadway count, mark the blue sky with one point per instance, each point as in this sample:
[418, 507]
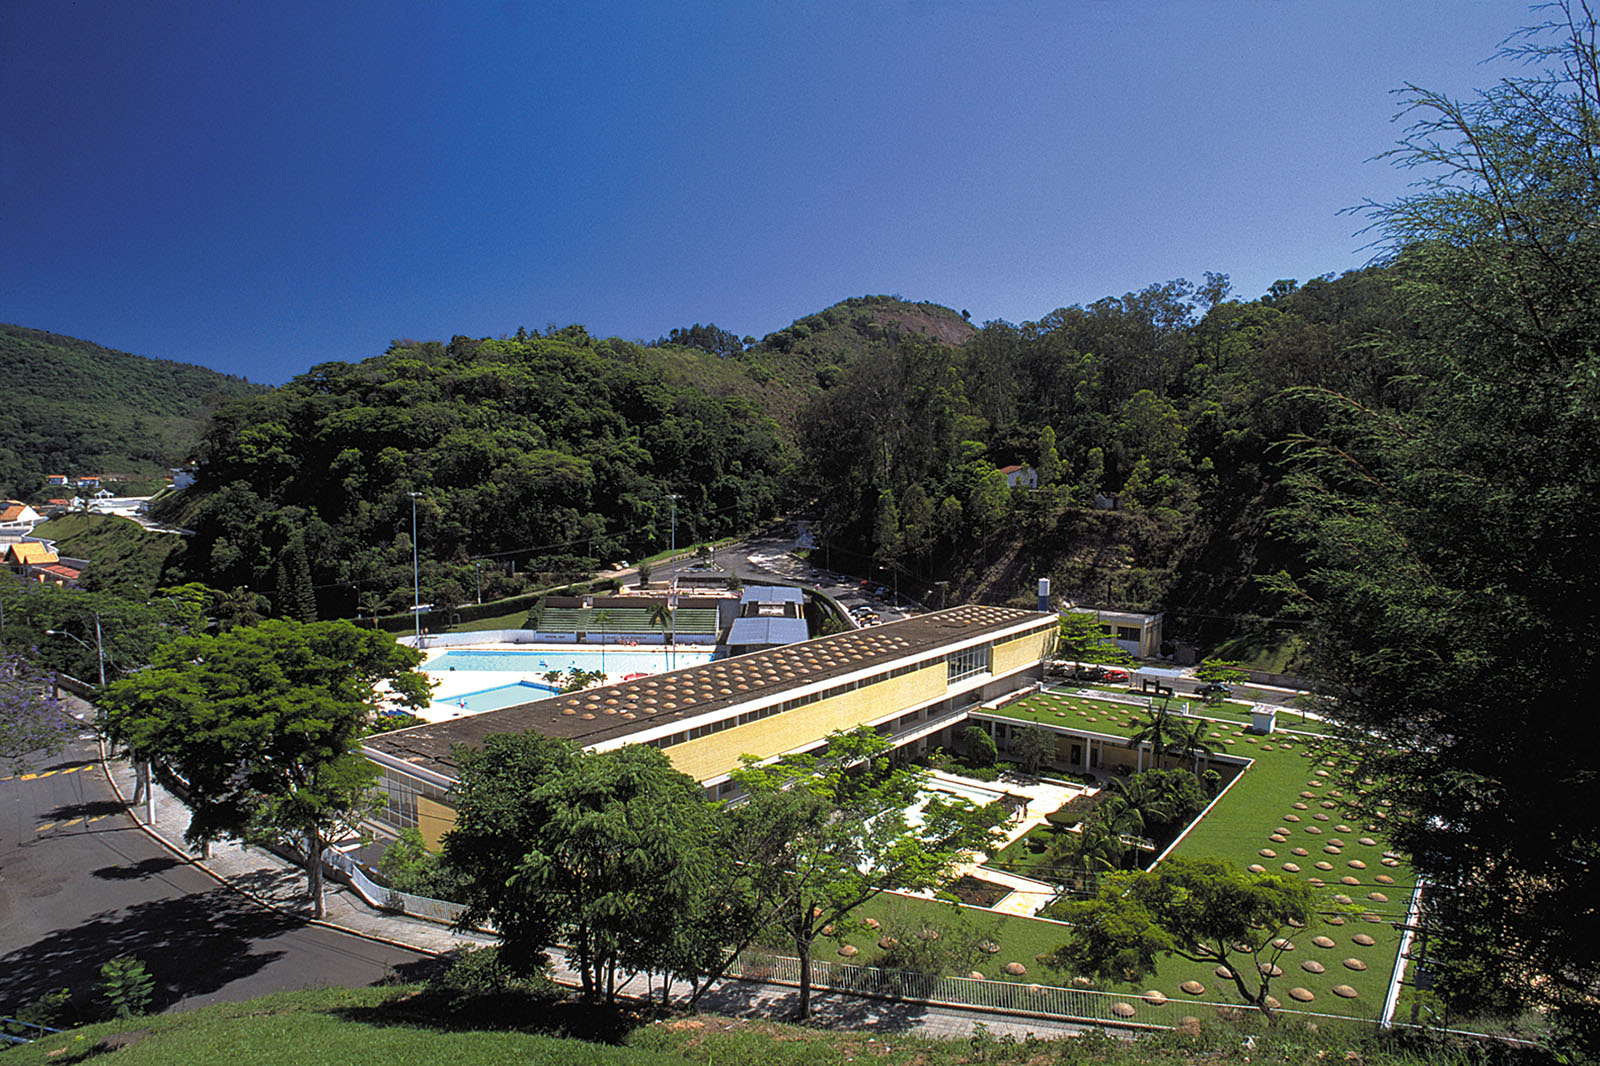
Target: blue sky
[262, 187]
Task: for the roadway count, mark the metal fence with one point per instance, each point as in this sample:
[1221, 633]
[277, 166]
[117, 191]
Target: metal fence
[435, 910]
[1086, 1005]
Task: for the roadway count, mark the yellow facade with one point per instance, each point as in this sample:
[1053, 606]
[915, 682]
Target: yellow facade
[434, 820]
[718, 753]
[1024, 651]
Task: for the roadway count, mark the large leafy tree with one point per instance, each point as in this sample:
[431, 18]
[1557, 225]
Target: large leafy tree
[263, 724]
[1454, 577]
[1203, 910]
[853, 836]
[32, 721]
[606, 851]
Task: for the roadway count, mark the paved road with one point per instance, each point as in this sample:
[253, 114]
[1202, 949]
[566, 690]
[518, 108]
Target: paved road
[80, 883]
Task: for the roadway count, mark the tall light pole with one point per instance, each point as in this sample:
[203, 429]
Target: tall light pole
[672, 588]
[673, 498]
[416, 583]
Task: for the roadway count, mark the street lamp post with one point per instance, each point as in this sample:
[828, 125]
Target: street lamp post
[416, 583]
[141, 766]
[944, 589]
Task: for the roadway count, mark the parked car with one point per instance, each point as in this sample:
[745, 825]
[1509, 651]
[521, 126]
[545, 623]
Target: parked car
[1115, 675]
[1213, 692]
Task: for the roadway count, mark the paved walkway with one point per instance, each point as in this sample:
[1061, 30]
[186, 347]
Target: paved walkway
[273, 881]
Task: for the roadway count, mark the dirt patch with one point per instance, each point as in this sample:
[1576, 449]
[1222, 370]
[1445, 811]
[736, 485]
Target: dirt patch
[976, 892]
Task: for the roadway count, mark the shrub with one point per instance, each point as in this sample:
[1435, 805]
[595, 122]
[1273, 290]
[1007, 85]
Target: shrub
[125, 988]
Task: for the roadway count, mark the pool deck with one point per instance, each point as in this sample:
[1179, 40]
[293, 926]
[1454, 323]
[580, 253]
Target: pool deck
[450, 685]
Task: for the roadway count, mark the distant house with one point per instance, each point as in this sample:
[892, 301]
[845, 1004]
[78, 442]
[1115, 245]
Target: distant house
[88, 483]
[1026, 476]
[182, 477]
[57, 480]
[1138, 634]
[17, 518]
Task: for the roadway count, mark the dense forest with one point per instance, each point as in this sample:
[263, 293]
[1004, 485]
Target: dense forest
[536, 456]
[76, 408]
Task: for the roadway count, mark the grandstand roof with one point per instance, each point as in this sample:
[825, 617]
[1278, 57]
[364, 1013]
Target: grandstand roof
[758, 630]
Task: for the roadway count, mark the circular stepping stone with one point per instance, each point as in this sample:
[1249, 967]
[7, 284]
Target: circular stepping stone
[1302, 852]
[1303, 995]
[1271, 969]
[1315, 831]
[1315, 882]
[870, 923]
[1323, 941]
[887, 942]
[1313, 966]
[1308, 795]
[1193, 988]
[1348, 880]
[1357, 864]
[1314, 784]
[1291, 817]
[1384, 879]
[1267, 853]
[849, 950]
[1296, 923]
[1292, 867]
[1123, 1010]
[1328, 805]
[1353, 964]
[989, 947]
[1364, 940]
[1015, 969]
[1222, 972]
[1278, 838]
[1344, 990]
[1323, 864]
[1335, 919]
[975, 975]
[1343, 900]
[1333, 849]
[1367, 842]
[1155, 997]
[1319, 816]
[1372, 918]
[1256, 868]
[1282, 944]
[1391, 862]
[1343, 829]
[1281, 829]
[1300, 806]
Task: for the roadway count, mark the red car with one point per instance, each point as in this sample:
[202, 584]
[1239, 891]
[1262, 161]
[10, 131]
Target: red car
[1115, 675]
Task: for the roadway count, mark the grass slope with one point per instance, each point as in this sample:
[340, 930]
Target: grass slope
[123, 555]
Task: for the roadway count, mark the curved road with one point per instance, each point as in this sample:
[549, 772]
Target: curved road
[80, 883]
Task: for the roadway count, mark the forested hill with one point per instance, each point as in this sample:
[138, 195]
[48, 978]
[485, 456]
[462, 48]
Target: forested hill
[75, 408]
[539, 453]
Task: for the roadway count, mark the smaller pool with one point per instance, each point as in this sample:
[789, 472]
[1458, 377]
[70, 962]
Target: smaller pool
[501, 696]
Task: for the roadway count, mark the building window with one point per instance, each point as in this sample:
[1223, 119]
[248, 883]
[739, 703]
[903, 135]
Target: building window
[967, 663]
[1128, 633]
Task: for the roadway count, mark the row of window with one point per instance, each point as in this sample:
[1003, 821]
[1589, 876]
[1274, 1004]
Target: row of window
[972, 661]
[400, 792]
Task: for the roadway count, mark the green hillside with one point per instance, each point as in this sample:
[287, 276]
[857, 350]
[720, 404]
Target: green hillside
[76, 408]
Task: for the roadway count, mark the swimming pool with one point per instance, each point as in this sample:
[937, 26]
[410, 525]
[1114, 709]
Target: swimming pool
[500, 697]
[617, 664]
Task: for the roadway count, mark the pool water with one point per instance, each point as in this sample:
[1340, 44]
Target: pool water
[494, 699]
[617, 663]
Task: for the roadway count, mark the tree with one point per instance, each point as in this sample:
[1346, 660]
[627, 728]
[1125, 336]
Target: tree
[978, 747]
[605, 850]
[1452, 577]
[32, 721]
[852, 837]
[1081, 640]
[1220, 671]
[1035, 747]
[263, 724]
[1203, 910]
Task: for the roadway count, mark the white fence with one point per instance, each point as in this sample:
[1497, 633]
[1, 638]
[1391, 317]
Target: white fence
[436, 910]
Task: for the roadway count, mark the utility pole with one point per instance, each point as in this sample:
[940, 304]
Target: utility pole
[416, 583]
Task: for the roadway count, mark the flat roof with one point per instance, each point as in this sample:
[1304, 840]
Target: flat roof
[664, 702]
[768, 630]
[771, 594]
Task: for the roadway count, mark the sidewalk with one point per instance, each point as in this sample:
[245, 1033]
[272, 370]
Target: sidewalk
[275, 882]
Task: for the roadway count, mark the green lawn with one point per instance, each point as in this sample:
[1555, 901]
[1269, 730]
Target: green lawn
[1285, 770]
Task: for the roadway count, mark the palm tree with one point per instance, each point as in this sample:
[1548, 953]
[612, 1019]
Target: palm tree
[1189, 741]
[661, 615]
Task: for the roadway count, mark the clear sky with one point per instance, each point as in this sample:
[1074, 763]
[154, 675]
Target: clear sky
[259, 187]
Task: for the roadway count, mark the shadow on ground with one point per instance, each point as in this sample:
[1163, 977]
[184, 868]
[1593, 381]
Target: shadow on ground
[137, 871]
[192, 946]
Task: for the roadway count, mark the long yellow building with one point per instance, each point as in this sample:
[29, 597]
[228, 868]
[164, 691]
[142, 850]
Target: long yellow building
[914, 681]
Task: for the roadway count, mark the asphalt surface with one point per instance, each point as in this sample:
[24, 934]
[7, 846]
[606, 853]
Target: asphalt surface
[81, 884]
